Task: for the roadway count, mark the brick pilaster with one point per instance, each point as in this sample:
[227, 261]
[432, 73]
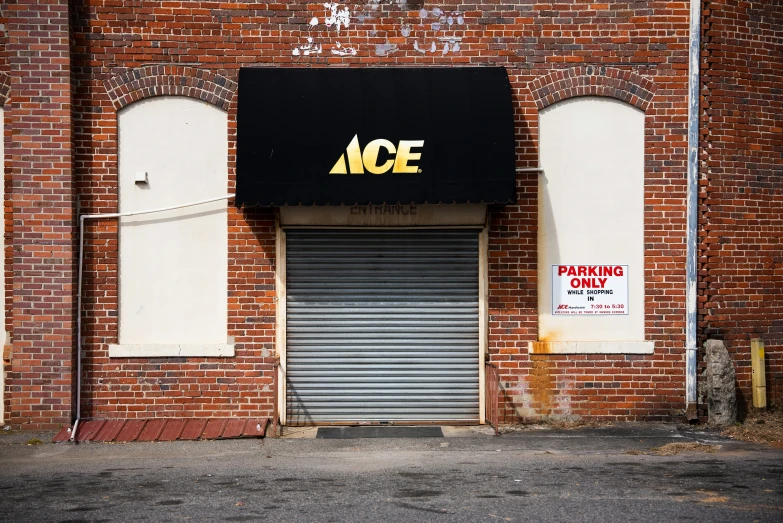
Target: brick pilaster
[741, 176]
[43, 201]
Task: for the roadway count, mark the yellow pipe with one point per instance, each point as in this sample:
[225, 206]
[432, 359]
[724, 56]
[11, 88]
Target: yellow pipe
[759, 380]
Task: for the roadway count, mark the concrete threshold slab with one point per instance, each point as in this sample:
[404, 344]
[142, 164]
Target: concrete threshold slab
[298, 432]
[377, 431]
[457, 431]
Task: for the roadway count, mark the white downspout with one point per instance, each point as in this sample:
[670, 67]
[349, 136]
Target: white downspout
[82, 219]
[692, 239]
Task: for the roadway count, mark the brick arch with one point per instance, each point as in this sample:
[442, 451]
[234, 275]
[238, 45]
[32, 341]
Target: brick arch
[593, 81]
[161, 80]
[5, 88]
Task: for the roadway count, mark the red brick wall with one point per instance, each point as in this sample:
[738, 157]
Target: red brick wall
[4, 66]
[5, 89]
[111, 38]
[177, 387]
[42, 198]
[741, 249]
[618, 387]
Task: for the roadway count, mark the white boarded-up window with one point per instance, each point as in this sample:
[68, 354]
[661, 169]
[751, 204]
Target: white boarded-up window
[173, 264]
[591, 213]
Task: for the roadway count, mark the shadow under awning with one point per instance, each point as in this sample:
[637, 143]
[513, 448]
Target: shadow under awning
[329, 136]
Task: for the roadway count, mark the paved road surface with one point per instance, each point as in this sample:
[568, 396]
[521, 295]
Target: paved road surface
[535, 475]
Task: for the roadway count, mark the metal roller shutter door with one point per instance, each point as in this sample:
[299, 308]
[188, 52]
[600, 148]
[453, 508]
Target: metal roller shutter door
[382, 325]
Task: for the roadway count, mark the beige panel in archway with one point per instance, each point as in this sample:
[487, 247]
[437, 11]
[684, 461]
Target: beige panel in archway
[173, 265]
[591, 211]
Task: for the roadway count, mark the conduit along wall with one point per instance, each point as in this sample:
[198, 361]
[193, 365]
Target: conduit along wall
[692, 197]
[107, 216]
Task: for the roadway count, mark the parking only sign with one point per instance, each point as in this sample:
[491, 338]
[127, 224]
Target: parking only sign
[589, 289]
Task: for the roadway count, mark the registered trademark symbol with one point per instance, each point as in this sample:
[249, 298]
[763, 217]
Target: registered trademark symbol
[419, 170]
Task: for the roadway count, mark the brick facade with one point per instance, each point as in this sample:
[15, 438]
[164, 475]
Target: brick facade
[43, 200]
[121, 52]
[593, 81]
[159, 80]
[5, 87]
[741, 239]
[5, 90]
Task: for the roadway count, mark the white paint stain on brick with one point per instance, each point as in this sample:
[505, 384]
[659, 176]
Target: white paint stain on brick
[444, 27]
[335, 18]
[565, 387]
[447, 27]
[340, 50]
[308, 49]
[521, 398]
[385, 49]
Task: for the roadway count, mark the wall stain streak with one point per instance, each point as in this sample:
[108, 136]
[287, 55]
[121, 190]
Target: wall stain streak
[542, 385]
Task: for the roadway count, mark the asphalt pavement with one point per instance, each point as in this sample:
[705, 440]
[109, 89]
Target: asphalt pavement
[621, 473]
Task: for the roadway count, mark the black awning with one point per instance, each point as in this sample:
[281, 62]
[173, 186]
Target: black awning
[371, 136]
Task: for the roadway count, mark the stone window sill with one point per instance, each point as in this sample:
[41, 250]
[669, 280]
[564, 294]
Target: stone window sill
[591, 347]
[209, 350]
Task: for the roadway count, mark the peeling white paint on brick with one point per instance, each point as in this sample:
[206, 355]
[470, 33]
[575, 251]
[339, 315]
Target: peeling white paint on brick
[339, 50]
[385, 49]
[563, 399]
[336, 18]
[447, 26]
[308, 49]
[444, 24]
[521, 398]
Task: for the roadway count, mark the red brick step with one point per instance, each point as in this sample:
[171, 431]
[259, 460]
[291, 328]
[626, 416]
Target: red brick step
[172, 430]
[110, 430]
[87, 430]
[164, 429]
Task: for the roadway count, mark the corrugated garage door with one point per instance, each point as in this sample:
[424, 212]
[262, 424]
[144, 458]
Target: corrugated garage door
[382, 325]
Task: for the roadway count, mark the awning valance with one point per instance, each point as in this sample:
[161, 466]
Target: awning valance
[370, 136]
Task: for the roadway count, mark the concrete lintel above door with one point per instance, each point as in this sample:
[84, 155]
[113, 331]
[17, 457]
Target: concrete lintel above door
[387, 215]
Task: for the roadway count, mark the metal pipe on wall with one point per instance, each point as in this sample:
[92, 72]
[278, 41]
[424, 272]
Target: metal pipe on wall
[82, 219]
[692, 238]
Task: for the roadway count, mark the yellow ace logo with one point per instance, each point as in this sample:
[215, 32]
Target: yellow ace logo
[358, 161]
